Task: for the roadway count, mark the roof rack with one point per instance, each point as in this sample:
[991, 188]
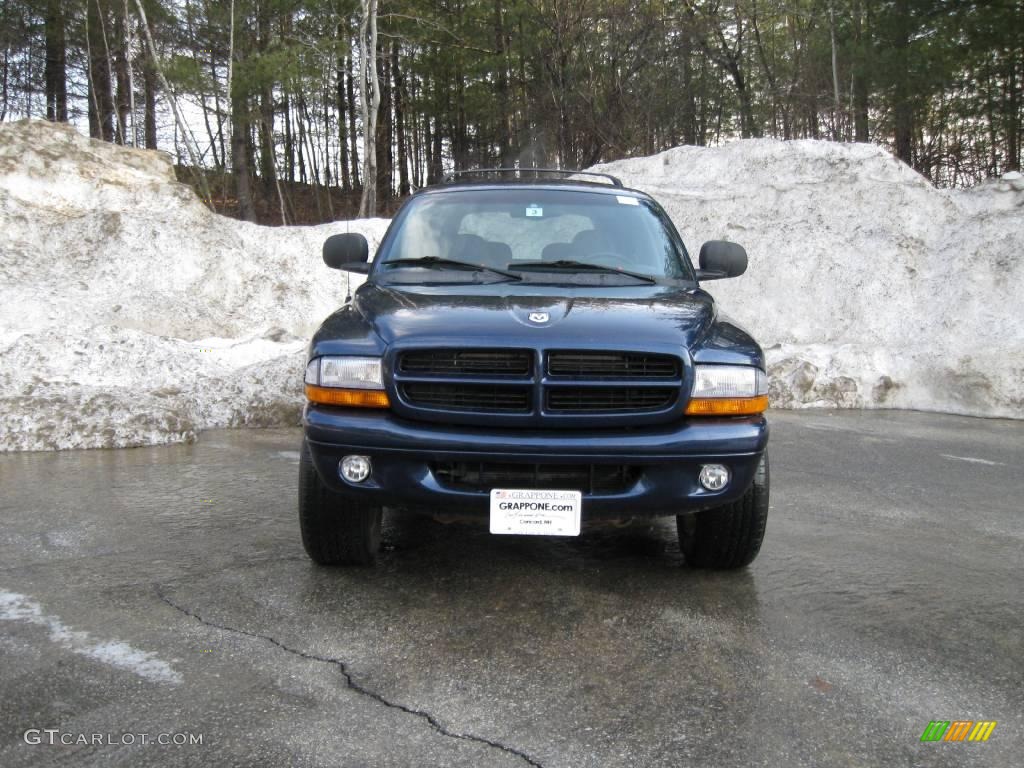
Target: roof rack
[519, 173]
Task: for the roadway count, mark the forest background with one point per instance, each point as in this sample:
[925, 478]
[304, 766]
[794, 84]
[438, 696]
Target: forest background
[302, 111]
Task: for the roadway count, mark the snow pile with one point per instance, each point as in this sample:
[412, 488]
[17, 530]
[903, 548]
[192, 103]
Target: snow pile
[131, 314]
[866, 286]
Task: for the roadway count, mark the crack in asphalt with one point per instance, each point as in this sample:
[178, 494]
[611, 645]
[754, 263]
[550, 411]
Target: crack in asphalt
[351, 683]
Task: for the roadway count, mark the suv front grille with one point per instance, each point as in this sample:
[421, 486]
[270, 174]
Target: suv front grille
[518, 383]
[466, 362]
[468, 397]
[591, 479]
[609, 399]
[612, 365]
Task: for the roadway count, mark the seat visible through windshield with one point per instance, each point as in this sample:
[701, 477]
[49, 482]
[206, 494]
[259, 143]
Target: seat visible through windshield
[504, 227]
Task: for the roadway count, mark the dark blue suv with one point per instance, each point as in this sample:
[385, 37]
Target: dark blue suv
[537, 354]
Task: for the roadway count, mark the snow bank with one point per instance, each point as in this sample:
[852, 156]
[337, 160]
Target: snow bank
[130, 313]
[867, 286]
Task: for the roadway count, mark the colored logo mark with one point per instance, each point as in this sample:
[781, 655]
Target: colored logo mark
[958, 730]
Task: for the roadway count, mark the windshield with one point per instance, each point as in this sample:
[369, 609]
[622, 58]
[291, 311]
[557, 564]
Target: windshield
[506, 228]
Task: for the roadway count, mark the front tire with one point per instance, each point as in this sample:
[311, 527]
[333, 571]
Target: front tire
[728, 536]
[336, 530]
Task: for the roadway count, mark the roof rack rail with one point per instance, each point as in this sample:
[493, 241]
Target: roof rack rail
[519, 173]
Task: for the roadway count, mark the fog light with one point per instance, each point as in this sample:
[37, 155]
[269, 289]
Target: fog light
[355, 469]
[714, 477]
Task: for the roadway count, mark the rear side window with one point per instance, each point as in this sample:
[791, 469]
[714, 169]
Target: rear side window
[499, 228]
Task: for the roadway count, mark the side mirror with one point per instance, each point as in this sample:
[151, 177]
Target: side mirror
[720, 258]
[349, 252]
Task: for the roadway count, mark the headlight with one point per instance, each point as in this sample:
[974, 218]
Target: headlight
[351, 381]
[728, 390]
[351, 372]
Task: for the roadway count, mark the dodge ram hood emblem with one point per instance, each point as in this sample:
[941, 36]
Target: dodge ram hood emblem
[539, 317]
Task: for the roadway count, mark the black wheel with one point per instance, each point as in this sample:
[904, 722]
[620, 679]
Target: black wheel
[335, 529]
[728, 536]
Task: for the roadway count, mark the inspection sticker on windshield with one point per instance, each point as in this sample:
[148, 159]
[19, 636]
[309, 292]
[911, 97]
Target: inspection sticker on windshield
[536, 513]
[534, 211]
[626, 200]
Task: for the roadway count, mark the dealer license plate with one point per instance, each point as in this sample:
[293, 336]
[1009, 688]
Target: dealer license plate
[537, 513]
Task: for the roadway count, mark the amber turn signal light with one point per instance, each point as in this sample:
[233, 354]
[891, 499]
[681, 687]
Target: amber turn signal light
[353, 398]
[727, 406]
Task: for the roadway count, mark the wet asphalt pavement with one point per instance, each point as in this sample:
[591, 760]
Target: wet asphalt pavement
[164, 591]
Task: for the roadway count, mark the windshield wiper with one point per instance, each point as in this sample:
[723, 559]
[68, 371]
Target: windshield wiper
[428, 262]
[568, 265]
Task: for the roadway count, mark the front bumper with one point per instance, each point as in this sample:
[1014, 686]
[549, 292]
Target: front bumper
[404, 454]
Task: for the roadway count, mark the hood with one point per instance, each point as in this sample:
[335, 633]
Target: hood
[648, 317]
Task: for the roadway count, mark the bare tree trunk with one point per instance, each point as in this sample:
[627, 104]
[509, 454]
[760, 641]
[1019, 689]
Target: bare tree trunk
[149, 96]
[436, 172]
[309, 143]
[370, 105]
[218, 161]
[101, 105]
[504, 131]
[111, 79]
[992, 162]
[903, 112]
[240, 145]
[460, 141]
[385, 139]
[346, 183]
[400, 133]
[124, 84]
[241, 141]
[350, 93]
[5, 77]
[837, 121]
[300, 125]
[417, 135]
[268, 170]
[428, 148]
[688, 98]
[289, 139]
[266, 133]
[4, 87]
[329, 180]
[56, 64]
[218, 112]
[231, 48]
[859, 84]
[1011, 116]
[129, 50]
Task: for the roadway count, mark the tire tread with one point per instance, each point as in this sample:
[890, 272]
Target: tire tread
[335, 530]
[729, 536]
